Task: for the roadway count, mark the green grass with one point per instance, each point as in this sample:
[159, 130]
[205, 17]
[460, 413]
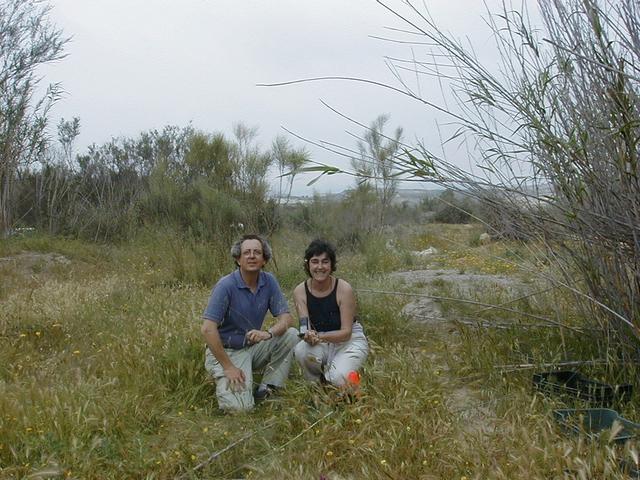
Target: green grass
[101, 376]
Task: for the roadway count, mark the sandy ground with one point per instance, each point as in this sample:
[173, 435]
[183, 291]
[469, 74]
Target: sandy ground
[33, 262]
[427, 310]
[27, 269]
[464, 398]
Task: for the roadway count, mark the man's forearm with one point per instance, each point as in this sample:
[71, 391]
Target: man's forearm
[284, 322]
[218, 351]
[213, 341]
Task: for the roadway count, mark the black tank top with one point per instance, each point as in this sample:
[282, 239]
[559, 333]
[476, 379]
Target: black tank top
[324, 313]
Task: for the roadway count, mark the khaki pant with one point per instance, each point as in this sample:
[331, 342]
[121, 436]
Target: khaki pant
[273, 356]
[334, 361]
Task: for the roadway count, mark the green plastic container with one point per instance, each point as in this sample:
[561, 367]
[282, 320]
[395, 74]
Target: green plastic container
[595, 421]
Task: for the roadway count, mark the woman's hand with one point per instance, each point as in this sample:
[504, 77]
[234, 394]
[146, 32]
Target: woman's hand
[312, 337]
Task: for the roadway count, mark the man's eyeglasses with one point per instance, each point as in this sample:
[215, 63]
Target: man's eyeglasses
[251, 253]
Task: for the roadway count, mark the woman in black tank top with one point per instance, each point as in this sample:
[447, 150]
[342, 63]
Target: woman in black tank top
[324, 312]
[334, 347]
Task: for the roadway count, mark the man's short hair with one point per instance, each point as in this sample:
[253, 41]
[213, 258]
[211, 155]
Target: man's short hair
[318, 247]
[237, 246]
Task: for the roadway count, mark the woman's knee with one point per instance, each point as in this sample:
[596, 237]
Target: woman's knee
[299, 352]
[336, 376]
[309, 358]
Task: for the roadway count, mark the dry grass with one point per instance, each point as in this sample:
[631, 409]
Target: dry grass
[101, 376]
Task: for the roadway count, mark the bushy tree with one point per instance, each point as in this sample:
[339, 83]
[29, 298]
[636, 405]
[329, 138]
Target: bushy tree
[289, 161]
[451, 209]
[210, 156]
[557, 130]
[198, 195]
[112, 178]
[27, 40]
[377, 163]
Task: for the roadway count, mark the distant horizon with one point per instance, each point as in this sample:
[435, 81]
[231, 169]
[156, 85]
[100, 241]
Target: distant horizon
[312, 193]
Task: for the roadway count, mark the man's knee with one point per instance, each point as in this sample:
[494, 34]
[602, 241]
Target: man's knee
[235, 402]
[290, 338]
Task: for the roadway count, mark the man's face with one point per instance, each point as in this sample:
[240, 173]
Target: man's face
[251, 256]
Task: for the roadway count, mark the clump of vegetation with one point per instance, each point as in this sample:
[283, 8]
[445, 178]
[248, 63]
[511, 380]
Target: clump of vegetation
[102, 374]
[201, 184]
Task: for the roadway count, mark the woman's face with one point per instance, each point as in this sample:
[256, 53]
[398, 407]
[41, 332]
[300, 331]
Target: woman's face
[320, 267]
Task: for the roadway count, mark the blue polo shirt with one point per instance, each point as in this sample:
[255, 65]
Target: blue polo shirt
[236, 309]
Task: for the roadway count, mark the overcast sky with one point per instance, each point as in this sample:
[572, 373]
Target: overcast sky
[136, 65]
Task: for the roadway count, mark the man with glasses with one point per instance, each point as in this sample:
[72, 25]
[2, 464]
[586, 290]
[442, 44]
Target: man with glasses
[232, 328]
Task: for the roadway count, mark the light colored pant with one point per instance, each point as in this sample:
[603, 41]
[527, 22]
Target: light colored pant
[333, 360]
[273, 356]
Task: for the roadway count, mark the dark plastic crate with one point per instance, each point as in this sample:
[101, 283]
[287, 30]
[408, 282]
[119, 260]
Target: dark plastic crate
[570, 385]
[595, 421]
[630, 469]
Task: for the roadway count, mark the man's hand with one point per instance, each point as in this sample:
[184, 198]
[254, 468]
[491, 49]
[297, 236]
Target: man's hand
[255, 336]
[235, 377]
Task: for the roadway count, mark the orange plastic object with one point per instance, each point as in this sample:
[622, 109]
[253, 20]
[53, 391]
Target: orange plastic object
[353, 377]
